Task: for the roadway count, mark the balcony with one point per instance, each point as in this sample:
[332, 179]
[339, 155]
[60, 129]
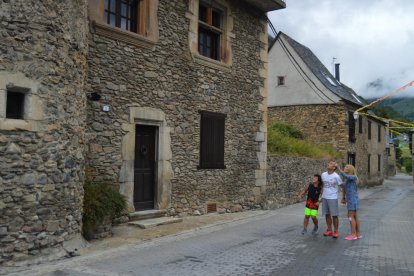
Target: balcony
[267, 5]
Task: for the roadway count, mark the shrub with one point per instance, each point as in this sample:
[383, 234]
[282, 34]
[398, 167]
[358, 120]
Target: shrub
[101, 204]
[408, 164]
[283, 139]
[286, 129]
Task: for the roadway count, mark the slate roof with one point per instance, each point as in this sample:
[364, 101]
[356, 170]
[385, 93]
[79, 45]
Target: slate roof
[322, 73]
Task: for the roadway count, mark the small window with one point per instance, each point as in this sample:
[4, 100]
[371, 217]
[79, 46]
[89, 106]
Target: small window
[351, 128]
[212, 140]
[280, 80]
[369, 164]
[351, 158]
[379, 162]
[210, 30]
[15, 105]
[379, 133]
[369, 130]
[360, 124]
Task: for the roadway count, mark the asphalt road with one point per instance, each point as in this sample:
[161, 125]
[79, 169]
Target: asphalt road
[272, 244]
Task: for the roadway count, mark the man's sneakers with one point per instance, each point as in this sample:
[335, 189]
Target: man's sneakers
[327, 233]
[351, 237]
[315, 230]
[334, 234]
[304, 231]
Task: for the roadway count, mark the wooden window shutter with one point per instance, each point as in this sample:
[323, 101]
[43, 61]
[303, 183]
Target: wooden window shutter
[212, 130]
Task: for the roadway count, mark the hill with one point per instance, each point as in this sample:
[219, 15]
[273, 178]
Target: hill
[402, 108]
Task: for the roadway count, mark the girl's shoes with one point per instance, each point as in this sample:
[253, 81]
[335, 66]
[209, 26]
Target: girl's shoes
[359, 236]
[351, 237]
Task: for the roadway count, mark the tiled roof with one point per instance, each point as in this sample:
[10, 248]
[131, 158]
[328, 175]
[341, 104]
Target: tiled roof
[322, 73]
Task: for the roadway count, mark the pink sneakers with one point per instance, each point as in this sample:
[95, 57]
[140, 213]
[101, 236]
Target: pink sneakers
[335, 234]
[327, 233]
[351, 237]
[359, 236]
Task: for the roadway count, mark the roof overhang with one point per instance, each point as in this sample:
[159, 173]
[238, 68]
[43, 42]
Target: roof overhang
[268, 5]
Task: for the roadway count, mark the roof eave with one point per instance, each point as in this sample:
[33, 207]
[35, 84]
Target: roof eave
[267, 5]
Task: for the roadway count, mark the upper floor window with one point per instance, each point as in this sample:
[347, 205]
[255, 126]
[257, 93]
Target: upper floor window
[122, 14]
[280, 80]
[131, 21]
[210, 30]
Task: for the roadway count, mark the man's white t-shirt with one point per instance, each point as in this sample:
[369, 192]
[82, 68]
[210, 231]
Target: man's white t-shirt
[331, 184]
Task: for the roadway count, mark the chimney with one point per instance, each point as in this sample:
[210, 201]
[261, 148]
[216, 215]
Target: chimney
[337, 71]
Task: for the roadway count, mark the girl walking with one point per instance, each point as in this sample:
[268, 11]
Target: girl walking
[314, 191]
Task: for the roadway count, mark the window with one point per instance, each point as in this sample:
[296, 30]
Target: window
[369, 164]
[15, 105]
[360, 124]
[388, 151]
[379, 162]
[351, 128]
[131, 21]
[379, 133]
[210, 30]
[212, 127]
[280, 80]
[122, 14]
[369, 130]
[351, 158]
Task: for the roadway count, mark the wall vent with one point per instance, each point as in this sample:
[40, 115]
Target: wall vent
[211, 207]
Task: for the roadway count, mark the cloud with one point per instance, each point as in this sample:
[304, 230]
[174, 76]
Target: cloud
[373, 40]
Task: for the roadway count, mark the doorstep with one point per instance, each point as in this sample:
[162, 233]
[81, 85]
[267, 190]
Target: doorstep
[154, 222]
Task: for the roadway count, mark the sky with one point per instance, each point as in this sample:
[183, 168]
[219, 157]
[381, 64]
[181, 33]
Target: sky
[373, 40]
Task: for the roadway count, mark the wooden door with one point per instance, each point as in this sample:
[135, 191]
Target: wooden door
[144, 167]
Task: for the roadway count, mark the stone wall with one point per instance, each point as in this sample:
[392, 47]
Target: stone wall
[320, 123]
[287, 176]
[43, 49]
[166, 84]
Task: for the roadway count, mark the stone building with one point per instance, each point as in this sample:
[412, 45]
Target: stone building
[166, 99]
[305, 94]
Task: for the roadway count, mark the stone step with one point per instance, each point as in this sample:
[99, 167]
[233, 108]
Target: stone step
[154, 222]
[147, 214]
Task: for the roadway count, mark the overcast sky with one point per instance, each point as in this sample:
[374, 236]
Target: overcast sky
[373, 40]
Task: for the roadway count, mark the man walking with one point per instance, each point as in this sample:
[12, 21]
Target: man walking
[331, 182]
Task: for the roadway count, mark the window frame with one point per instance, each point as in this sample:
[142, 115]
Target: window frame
[212, 124]
[147, 33]
[210, 30]
[136, 14]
